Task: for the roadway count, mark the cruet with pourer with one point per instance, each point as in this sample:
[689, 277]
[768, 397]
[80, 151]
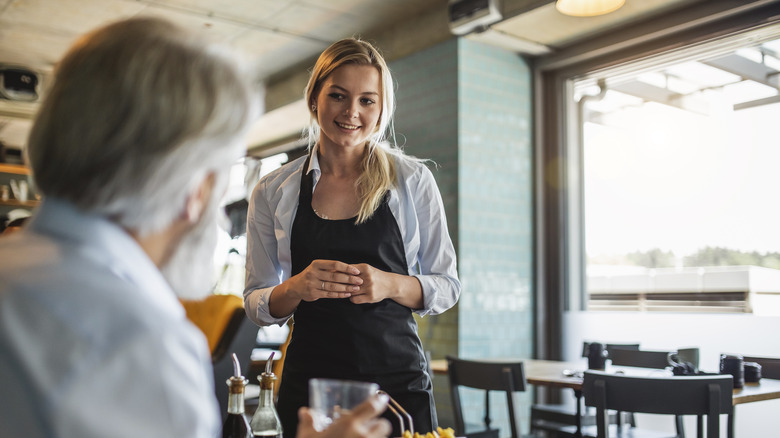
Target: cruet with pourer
[236, 424]
[265, 421]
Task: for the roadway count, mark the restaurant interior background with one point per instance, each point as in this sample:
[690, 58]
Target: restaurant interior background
[608, 178]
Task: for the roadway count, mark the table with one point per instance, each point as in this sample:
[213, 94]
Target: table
[550, 373]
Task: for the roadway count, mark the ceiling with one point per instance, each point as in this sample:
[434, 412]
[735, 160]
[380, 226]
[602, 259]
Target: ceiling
[283, 37]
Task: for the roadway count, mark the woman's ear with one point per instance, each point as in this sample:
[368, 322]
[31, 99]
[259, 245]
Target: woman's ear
[199, 198]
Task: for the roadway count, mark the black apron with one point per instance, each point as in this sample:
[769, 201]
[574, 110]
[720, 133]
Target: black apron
[334, 338]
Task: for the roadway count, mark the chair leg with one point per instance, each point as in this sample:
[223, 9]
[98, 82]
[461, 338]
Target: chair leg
[678, 421]
[699, 426]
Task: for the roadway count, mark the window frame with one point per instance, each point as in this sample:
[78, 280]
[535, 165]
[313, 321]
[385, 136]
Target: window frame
[669, 37]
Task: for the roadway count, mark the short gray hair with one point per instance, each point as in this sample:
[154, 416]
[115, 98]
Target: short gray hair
[139, 112]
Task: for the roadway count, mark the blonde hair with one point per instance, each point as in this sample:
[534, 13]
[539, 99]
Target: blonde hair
[378, 166]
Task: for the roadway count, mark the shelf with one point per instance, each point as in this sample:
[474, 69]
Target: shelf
[17, 169]
[15, 203]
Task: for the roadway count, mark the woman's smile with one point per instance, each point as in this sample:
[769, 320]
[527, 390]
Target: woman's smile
[347, 126]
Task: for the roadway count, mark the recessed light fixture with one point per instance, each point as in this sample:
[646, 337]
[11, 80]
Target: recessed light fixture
[588, 8]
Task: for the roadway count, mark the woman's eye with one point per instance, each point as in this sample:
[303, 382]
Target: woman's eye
[336, 96]
[367, 101]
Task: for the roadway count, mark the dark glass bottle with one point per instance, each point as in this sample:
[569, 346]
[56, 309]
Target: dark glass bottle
[265, 422]
[236, 424]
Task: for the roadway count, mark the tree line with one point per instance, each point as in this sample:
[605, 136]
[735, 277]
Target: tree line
[707, 256]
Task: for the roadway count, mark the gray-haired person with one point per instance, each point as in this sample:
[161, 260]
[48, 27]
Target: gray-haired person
[131, 149]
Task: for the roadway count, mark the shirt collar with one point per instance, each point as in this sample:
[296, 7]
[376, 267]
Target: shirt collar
[107, 244]
[314, 166]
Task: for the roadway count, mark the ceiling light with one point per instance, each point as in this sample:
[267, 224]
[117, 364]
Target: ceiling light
[588, 8]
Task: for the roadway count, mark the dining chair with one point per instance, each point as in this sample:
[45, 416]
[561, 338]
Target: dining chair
[507, 377]
[212, 315]
[228, 330]
[770, 366]
[609, 347]
[554, 418]
[640, 358]
[703, 395]
[651, 359]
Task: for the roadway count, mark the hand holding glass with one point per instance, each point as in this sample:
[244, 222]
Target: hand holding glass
[328, 398]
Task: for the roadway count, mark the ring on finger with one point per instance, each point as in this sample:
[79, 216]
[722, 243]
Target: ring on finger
[323, 285]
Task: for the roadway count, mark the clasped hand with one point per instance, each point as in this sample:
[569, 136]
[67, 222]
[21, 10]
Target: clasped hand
[361, 283]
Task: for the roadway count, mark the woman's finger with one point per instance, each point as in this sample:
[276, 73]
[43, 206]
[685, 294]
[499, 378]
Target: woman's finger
[335, 266]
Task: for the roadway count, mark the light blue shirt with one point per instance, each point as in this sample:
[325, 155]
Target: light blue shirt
[415, 203]
[93, 342]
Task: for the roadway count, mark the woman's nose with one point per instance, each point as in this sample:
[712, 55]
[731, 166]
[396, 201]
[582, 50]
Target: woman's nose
[351, 110]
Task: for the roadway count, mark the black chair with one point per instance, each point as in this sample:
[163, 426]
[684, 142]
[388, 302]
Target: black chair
[647, 359]
[609, 347]
[770, 366]
[239, 337]
[507, 377]
[708, 396]
[640, 358]
[557, 417]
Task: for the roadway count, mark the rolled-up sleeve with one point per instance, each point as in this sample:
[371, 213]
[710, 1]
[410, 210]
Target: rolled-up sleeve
[271, 208]
[436, 258]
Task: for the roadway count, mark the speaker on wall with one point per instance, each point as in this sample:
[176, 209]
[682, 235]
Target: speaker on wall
[466, 16]
[18, 83]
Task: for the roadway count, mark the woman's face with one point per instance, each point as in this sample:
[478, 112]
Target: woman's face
[349, 104]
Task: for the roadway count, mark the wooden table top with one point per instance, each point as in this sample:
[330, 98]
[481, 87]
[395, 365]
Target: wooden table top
[551, 373]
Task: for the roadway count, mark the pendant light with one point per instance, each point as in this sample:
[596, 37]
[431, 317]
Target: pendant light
[588, 8]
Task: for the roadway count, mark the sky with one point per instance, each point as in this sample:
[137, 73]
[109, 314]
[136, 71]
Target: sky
[661, 177]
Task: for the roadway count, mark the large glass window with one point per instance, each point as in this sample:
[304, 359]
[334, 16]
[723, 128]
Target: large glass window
[675, 183]
[656, 170]
[680, 185]
[658, 219]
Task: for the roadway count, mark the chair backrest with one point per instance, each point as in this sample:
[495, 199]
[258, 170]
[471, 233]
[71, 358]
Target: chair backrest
[228, 330]
[508, 377]
[212, 315]
[770, 366]
[609, 347]
[639, 358]
[675, 395]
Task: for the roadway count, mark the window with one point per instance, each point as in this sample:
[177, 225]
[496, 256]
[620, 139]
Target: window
[679, 168]
[666, 54]
[620, 172]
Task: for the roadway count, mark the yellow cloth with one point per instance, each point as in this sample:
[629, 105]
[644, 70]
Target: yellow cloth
[212, 315]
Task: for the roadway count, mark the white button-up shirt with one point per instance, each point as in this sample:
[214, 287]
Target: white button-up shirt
[93, 342]
[415, 203]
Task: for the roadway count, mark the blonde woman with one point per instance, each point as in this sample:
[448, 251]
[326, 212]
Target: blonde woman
[350, 241]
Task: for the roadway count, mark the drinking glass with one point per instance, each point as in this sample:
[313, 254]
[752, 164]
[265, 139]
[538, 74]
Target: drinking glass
[329, 398]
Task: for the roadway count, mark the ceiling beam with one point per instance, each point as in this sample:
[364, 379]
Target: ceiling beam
[746, 69]
[652, 93]
[647, 92]
[758, 102]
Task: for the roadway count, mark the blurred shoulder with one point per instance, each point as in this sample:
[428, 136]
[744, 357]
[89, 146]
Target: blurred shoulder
[279, 178]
